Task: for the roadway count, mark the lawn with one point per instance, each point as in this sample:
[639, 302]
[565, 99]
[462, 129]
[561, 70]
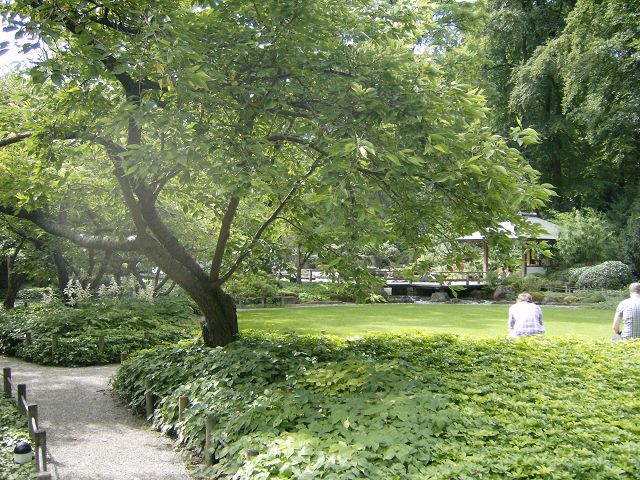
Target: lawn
[463, 319]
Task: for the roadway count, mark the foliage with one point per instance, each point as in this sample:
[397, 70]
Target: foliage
[205, 134]
[317, 292]
[13, 428]
[400, 407]
[570, 275]
[123, 324]
[253, 285]
[538, 297]
[529, 283]
[610, 275]
[630, 237]
[585, 237]
[596, 297]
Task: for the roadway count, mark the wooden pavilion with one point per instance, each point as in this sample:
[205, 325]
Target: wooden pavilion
[531, 263]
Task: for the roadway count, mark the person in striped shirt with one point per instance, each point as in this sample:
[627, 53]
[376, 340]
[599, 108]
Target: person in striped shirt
[525, 317]
[626, 321]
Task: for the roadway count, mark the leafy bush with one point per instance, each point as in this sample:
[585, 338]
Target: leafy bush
[123, 324]
[610, 275]
[538, 297]
[252, 285]
[321, 292]
[399, 407]
[585, 237]
[571, 299]
[529, 283]
[595, 297]
[13, 428]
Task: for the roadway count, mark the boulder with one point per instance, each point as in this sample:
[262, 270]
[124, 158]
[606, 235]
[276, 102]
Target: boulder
[504, 292]
[439, 297]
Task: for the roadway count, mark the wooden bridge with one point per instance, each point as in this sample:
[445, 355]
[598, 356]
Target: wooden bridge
[422, 285]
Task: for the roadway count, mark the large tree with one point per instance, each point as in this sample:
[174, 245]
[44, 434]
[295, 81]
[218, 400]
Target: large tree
[193, 128]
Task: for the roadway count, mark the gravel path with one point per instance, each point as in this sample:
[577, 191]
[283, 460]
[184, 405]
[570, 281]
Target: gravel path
[90, 433]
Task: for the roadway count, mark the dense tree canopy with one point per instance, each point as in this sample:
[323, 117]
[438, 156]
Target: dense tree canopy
[187, 131]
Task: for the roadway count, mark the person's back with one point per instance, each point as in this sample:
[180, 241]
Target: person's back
[628, 314]
[525, 317]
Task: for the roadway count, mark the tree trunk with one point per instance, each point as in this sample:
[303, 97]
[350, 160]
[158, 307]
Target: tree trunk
[4, 273]
[62, 273]
[14, 280]
[220, 322]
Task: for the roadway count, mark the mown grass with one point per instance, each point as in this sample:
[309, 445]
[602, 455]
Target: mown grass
[460, 319]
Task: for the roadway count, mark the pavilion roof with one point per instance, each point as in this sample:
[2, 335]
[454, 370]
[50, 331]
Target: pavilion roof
[548, 231]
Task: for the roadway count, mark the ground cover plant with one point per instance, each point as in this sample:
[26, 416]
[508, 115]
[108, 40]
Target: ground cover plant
[400, 406]
[122, 322]
[480, 320]
[13, 428]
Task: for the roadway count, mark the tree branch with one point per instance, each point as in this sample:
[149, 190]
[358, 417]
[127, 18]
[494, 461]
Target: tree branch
[223, 237]
[14, 139]
[42, 220]
[268, 222]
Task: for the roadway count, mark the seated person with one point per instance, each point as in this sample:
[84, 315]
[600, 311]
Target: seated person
[525, 317]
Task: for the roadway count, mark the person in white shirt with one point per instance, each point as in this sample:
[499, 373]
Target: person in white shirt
[626, 321]
[525, 317]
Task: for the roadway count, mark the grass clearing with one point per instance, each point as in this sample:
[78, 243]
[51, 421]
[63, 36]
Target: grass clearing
[488, 320]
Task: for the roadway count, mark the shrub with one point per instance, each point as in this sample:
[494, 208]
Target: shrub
[570, 299]
[585, 237]
[528, 283]
[573, 274]
[252, 285]
[595, 297]
[610, 275]
[123, 324]
[538, 297]
[399, 406]
[13, 428]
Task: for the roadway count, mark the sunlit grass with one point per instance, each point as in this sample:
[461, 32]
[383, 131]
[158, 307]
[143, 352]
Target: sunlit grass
[463, 319]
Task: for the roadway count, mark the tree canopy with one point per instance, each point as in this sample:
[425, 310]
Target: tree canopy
[189, 131]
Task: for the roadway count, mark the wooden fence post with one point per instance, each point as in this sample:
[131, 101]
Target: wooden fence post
[282, 301]
[148, 399]
[182, 405]
[41, 450]
[22, 397]
[6, 377]
[101, 344]
[27, 339]
[54, 345]
[211, 423]
[32, 419]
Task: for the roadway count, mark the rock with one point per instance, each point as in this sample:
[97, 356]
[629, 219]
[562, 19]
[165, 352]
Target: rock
[477, 294]
[455, 300]
[504, 292]
[439, 297]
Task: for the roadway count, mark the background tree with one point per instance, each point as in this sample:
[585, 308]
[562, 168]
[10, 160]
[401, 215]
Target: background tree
[231, 116]
[586, 238]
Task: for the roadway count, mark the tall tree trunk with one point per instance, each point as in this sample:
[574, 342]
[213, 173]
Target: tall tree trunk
[62, 272]
[14, 279]
[3, 273]
[13, 287]
[220, 322]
